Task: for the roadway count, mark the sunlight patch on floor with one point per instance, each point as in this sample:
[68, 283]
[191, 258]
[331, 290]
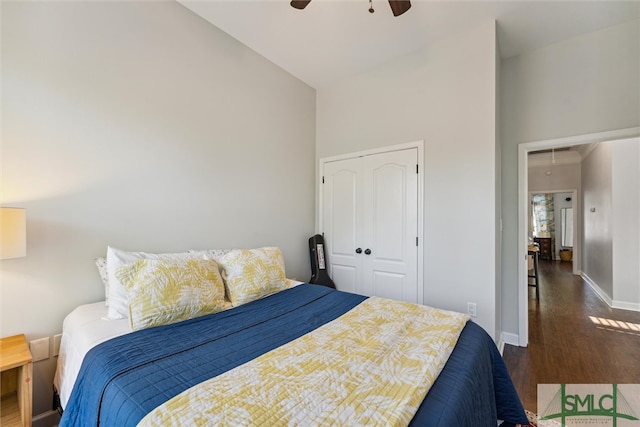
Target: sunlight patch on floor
[616, 325]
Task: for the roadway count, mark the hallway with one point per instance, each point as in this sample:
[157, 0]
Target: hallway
[574, 337]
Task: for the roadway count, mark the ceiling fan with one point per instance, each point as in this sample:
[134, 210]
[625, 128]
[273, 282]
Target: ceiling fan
[398, 7]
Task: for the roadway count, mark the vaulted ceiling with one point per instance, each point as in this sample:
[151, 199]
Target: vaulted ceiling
[332, 39]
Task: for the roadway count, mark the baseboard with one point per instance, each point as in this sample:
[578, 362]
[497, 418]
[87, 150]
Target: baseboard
[46, 419]
[598, 290]
[622, 305]
[500, 345]
[509, 338]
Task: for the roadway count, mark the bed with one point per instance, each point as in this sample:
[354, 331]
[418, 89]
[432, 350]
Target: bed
[110, 375]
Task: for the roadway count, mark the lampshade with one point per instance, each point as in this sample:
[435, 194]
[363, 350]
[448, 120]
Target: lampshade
[13, 233]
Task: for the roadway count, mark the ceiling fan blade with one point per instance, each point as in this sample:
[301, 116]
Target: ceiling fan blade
[300, 4]
[398, 7]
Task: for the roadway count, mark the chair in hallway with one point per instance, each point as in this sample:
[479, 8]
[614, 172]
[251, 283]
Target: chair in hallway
[534, 251]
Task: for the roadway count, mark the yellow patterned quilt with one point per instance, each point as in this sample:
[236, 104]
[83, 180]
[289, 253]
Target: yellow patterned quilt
[372, 366]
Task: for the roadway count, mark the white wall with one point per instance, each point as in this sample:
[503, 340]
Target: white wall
[611, 179]
[583, 85]
[498, 199]
[139, 125]
[625, 199]
[563, 177]
[597, 261]
[444, 94]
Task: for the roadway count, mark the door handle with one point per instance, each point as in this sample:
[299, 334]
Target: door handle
[367, 251]
[359, 250]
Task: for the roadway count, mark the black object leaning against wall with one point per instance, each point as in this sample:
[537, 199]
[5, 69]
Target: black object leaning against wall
[319, 275]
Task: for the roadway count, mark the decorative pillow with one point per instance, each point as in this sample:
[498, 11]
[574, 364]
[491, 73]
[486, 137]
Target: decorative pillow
[101, 263]
[116, 258]
[214, 254]
[164, 291]
[251, 274]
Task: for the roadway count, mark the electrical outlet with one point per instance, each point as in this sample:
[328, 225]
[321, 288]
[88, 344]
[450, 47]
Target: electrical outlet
[56, 344]
[471, 309]
[39, 349]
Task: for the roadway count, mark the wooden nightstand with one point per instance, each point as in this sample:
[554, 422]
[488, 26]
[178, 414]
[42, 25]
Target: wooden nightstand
[17, 370]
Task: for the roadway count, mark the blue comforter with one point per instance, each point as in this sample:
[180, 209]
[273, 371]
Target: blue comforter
[123, 379]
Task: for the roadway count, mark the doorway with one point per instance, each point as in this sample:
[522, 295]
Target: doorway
[523, 211]
[553, 214]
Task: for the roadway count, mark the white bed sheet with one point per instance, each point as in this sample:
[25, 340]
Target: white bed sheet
[84, 328]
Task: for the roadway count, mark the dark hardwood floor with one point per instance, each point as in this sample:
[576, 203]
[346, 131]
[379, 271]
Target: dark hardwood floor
[574, 337]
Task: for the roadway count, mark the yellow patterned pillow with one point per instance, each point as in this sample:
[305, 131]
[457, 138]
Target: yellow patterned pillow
[251, 274]
[168, 291]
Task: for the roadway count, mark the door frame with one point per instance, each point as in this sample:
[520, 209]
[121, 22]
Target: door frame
[523, 209]
[419, 145]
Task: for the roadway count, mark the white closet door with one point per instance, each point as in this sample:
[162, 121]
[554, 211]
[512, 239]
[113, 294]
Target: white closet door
[370, 224]
[391, 224]
[342, 207]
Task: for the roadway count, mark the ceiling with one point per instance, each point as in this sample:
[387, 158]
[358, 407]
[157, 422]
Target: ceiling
[333, 39]
[560, 155]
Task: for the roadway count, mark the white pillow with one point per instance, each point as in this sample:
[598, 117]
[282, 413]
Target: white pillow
[116, 258]
[101, 263]
[214, 254]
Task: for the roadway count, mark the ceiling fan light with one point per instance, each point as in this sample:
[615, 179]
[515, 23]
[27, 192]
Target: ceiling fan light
[398, 7]
[299, 4]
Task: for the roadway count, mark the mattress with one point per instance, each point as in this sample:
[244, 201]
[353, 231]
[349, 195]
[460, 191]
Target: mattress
[138, 371]
[84, 328]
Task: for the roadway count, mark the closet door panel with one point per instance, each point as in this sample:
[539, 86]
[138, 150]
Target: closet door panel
[390, 221]
[345, 277]
[388, 211]
[342, 206]
[370, 223]
[388, 285]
